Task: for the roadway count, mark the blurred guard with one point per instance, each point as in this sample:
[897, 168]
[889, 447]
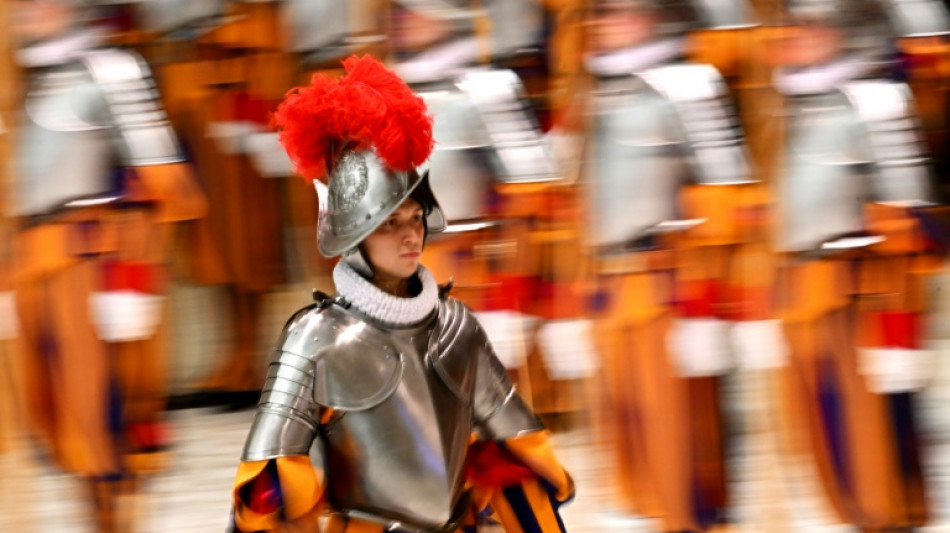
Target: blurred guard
[99, 180]
[232, 67]
[670, 193]
[856, 230]
[224, 68]
[489, 151]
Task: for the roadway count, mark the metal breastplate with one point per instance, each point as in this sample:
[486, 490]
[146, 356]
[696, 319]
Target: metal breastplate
[484, 135]
[519, 151]
[82, 118]
[637, 163]
[913, 18]
[714, 139]
[654, 132]
[460, 172]
[404, 403]
[888, 116]
[724, 14]
[403, 458]
[315, 24]
[65, 146]
[515, 25]
[826, 179]
[849, 148]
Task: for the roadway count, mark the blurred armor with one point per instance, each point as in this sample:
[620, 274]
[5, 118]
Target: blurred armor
[857, 231]
[491, 169]
[673, 211]
[233, 64]
[99, 180]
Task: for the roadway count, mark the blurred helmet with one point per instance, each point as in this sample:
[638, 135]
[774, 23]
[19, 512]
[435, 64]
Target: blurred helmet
[507, 26]
[673, 17]
[863, 24]
[918, 18]
[361, 192]
[723, 14]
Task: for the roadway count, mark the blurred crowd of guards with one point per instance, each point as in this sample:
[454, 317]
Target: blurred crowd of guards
[646, 197]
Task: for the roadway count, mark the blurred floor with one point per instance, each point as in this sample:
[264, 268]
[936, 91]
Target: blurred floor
[193, 494]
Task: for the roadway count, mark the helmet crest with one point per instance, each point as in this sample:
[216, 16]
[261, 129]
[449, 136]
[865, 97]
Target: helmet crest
[368, 108]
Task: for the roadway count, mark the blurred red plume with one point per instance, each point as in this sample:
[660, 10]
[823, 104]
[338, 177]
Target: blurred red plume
[369, 107]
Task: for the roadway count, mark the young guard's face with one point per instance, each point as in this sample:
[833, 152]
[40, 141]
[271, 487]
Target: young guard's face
[394, 248]
[615, 28]
[804, 45]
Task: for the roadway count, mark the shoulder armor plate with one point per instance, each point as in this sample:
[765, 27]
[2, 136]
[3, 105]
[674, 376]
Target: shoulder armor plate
[355, 367]
[519, 148]
[454, 347]
[133, 100]
[892, 133]
[707, 121]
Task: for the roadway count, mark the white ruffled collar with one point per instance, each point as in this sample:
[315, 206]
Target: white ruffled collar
[60, 50]
[822, 78]
[372, 301]
[634, 59]
[440, 62]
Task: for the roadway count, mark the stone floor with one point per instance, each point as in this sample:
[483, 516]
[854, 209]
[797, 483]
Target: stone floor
[192, 495]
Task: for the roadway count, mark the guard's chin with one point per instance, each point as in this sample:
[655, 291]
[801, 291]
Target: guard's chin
[404, 269]
[411, 269]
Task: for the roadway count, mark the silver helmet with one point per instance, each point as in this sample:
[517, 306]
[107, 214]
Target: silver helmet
[724, 14]
[672, 17]
[163, 16]
[361, 139]
[863, 24]
[442, 9]
[918, 18]
[360, 194]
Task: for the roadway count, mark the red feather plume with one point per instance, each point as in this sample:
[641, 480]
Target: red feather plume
[369, 107]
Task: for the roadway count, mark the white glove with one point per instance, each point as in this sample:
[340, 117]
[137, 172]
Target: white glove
[269, 158]
[121, 316]
[231, 136]
[508, 333]
[9, 323]
[567, 347]
[698, 347]
[893, 370]
[759, 344]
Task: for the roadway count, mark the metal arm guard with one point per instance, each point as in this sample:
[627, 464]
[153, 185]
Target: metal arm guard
[852, 146]
[285, 423]
[320, 364]
[496, 407]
